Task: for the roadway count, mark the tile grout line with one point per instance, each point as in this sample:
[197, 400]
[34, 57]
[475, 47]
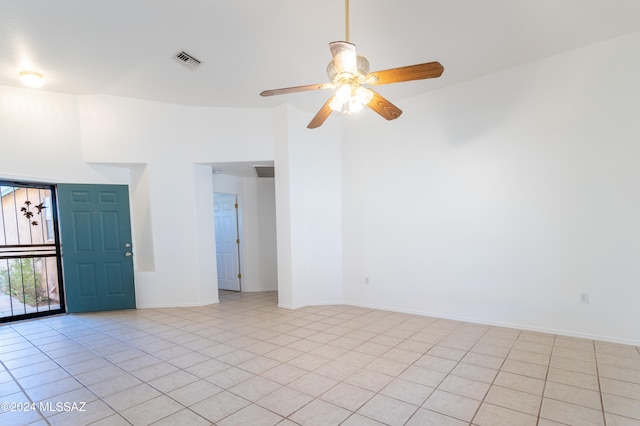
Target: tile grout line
[100, 356]
[595, 355]
[353, 412]
[496, 376]
[223, 389]
[546, 378]
[69, 372]
[457, 363]
[146, 382]
[15, 380]
[314, 398]
[406, 368]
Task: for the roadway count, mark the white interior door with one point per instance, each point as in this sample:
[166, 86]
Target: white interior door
[227, 241]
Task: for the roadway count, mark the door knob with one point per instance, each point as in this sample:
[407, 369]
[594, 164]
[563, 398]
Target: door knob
[127, 245]
[128, 254]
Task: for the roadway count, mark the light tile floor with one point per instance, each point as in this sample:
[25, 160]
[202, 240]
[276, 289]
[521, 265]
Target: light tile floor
[247, 362]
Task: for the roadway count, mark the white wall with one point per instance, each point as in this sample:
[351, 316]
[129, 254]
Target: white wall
[502, 199]
[267, 241]
[142, 229]
[309, 205]
[288, 293]
[40, 140]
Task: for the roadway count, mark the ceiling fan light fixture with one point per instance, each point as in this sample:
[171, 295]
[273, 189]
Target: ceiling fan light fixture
[363, 65]
[347, 74]
[341, 98]
[363, 95]
[349, 62]
[31, 79]
[343, 94]
[354, 105]
[336, 105]
[361, 69]
[350, 98]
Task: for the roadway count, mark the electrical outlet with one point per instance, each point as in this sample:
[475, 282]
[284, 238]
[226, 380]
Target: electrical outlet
[584, 297]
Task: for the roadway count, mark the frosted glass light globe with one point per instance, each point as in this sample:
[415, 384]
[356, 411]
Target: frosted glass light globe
[31, 79]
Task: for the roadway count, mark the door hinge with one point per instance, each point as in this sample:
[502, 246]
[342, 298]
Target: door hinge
[238, 241]
[236, 206]
[239, 276]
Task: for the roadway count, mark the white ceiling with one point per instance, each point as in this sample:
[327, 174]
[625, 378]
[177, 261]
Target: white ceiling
[126, 47]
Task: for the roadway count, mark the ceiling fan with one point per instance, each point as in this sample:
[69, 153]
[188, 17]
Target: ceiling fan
[349, 73]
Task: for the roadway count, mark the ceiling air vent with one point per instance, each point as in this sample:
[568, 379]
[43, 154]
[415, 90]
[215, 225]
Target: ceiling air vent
[265, 171]
[187, 60]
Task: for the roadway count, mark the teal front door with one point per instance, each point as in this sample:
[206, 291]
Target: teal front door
[97, 258]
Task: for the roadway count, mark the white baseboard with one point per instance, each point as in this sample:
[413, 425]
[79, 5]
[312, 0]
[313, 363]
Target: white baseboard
[174, 305]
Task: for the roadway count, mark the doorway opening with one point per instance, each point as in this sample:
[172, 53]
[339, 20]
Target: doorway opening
[256, 225]
[227, 229]
[30, 256]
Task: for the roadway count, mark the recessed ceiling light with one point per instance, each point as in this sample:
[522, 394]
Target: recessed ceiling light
[31, 79]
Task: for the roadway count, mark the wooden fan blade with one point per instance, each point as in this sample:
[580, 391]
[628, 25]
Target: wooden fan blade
[295, 89]
[408, 73]
[344, 56]
[321, 116]
[383, 107]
